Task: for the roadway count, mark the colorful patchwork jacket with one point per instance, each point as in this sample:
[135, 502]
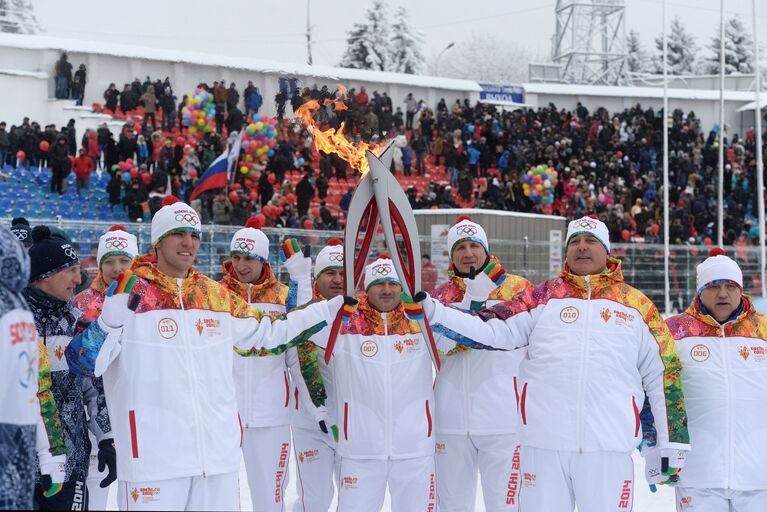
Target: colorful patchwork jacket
[595, 347]
[725, 385]
[383, 386]
[168, 372]
[56, 321]
[476, 390]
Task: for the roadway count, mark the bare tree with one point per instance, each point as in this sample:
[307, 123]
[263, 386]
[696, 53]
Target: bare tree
[485, 58]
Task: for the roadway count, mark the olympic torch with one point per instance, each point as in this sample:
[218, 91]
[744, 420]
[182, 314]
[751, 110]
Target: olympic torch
[379, 198]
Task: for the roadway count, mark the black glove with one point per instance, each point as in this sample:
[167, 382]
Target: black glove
[107, 458]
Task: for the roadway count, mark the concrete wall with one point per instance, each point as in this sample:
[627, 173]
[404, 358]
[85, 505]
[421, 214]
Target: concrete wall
[22, 96]
[705, 109]
[104, 69]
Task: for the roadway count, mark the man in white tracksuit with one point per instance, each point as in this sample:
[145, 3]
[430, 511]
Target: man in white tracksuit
[263, 389]
[722, 342]
[25, 392]
[595, 347]
[167, 371]
[476, 413]
[383, 401]
[314, 444]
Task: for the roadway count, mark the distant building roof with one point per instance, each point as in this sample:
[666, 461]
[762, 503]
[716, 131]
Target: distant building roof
[36, 42]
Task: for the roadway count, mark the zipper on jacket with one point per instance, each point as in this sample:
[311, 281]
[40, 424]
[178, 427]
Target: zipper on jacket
[248, 377]
[387, 387]
[467, 392]
[582, 370]
[728, 427]
[193, 390]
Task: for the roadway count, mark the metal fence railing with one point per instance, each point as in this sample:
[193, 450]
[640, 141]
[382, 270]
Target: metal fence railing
[642, 263]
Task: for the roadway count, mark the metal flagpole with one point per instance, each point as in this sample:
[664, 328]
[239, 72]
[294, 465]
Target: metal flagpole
[759, 161]
[720, 181]
[666, 226]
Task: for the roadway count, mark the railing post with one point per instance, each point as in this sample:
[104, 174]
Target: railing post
[524, 253]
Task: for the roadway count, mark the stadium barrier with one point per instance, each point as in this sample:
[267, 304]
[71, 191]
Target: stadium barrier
[642, 263]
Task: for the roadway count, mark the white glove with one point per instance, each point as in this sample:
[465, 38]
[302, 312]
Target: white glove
[298, 265]
[654, 466]
[52, 472]
[484, 283]
[116, 311]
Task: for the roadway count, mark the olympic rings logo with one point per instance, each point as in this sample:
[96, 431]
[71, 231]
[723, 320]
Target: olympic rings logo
[466, 230]
[337, 257]
[187, 218]
[381, 270]
[586, 224]
[20, 234]
[118, 244]
[244, 245]
[69, 251]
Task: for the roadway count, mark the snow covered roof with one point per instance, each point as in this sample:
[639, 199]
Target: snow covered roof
[634, 92]
[19, 72]
[37, 42]
[752, 105]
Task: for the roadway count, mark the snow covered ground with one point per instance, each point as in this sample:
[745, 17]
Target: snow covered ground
[645, 501]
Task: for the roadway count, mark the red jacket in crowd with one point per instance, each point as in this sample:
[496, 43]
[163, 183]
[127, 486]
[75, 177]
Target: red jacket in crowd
[93, 148]
[83, 167]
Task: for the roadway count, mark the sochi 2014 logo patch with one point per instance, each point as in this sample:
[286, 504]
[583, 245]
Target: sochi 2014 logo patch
[569, 314]
[700, 353]
[186, 217]
[116, 244]
[369, 348]
[381, 270]
[585, 223]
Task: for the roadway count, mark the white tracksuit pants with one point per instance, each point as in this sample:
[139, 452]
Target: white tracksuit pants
[266, 451]
[459, 457]
[315, 467]
[212, 492]
[412, 484]
[97, 497]
[720, 500]
[555, 481]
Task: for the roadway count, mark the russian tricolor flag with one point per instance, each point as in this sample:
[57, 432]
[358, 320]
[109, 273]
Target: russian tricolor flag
[216, 175]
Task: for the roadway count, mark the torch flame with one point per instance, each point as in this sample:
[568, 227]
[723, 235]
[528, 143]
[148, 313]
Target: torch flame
[334, 141]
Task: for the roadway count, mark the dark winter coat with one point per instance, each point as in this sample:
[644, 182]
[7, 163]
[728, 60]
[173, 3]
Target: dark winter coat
[58, 158]
[56, 321]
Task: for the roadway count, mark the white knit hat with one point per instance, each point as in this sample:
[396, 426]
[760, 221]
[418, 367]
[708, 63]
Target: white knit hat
[251, 242]
[589, 225]
[466, 229]
[116, 241]
[174, 216]
[379, 271]
[330, 257]
[718, 267]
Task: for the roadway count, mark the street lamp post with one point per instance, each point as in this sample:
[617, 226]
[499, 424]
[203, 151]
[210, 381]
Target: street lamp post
[436, 63]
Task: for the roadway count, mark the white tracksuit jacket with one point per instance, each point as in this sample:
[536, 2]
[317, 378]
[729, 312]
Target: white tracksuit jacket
[27, 402]
[595, 347]
[168, 373]
[383, 382]
[475, 389]
[725, 387]
[263, 388]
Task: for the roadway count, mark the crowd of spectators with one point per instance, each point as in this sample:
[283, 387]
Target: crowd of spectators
[608, 163]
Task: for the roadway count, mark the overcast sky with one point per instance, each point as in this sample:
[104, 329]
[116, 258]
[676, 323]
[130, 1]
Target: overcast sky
[276, 29]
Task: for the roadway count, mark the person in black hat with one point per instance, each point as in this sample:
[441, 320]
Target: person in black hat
[22, 231]
[54, 276]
